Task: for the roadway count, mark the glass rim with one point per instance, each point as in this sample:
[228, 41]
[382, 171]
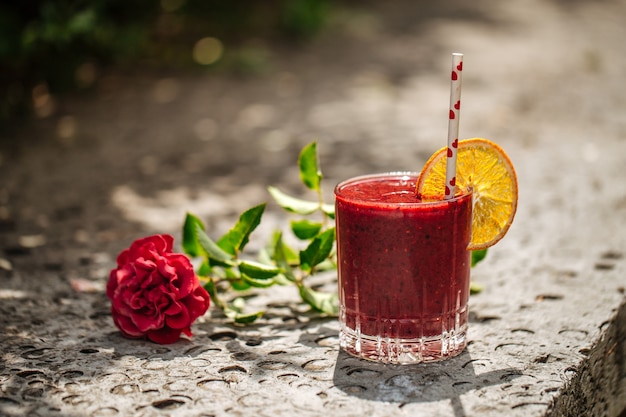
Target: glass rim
[412, 174]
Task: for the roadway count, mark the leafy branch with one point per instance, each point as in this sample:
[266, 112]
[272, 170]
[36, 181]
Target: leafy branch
[223, 268]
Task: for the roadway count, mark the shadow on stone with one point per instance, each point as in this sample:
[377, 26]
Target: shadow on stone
[405, 384]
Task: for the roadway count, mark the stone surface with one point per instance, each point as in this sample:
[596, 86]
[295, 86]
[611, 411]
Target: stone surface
[548, 332]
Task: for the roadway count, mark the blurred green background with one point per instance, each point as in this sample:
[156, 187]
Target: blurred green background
[52, 46]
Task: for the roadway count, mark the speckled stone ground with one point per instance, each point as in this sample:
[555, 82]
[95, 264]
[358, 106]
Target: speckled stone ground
[544, 79]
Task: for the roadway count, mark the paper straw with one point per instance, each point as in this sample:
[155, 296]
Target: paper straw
[453, 124]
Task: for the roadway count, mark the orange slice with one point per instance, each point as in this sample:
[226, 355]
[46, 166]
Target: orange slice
[485, 168]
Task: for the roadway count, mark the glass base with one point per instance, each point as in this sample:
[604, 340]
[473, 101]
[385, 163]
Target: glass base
[403, 351]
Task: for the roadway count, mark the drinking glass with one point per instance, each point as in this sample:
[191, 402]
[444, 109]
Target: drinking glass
[404, 270]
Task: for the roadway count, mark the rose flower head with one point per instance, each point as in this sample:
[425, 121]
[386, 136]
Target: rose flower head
[155, 293]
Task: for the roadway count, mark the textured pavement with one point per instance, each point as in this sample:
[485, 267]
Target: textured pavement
[548, 332]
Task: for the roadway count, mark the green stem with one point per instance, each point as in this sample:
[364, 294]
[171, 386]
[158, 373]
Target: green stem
[212, 290]
[320, 201]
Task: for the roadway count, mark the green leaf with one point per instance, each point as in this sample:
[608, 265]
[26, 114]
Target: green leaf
[281, 279]
[204, 270]
[293, 204]
[323, 302]
[240, 284]
[236, 238]
[248, 318]
[318, 250]
[211, 249]
[291, 256]
[234, 311]
[305, 229]
[281, 260]
[258, 270]
[191, 245]
[310, 173]
[478, 255]
[256, 282]
[209, 286]
[329, 210]
[235, 280]
[265, 254]
[326, 265]
[475, 288]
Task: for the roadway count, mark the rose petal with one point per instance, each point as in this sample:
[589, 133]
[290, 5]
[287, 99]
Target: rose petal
[169, 242]
[174, 308]
[125, 293]
[137, 301]
[159, 299]
[153, 280]
[178, 321]
[158, 243]
[126, 325]
[122, 258]
[126, 272]
[164, 336]
[197, 303]
[185, 280]
[143, 267]
[164, 267]
[145, 323]
[119, 305]
[116, 277]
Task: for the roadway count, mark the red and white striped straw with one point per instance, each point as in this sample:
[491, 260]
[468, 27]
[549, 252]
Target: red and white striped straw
[453, 124]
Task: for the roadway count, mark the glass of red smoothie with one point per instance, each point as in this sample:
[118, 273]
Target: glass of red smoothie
[404, 270]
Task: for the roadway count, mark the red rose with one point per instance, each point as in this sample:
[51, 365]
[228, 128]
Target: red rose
[155, 293]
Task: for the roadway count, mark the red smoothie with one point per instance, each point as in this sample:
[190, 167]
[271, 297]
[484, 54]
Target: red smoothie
[403, 270]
